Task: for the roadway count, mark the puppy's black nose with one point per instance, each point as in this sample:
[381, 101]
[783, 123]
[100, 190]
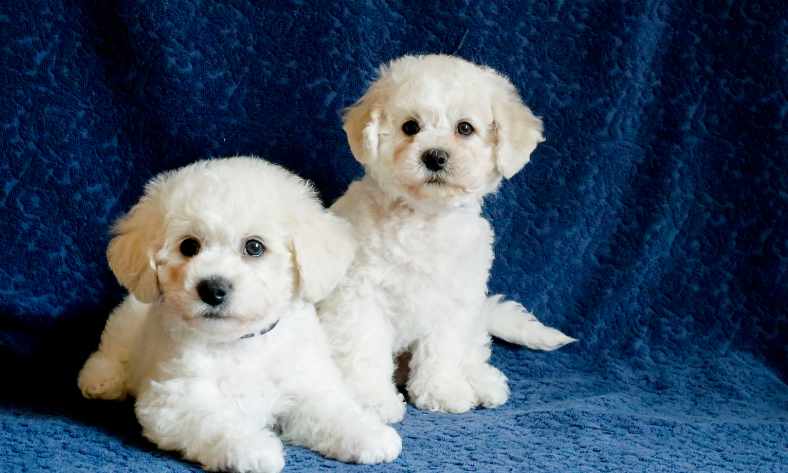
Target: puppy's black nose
[213, 291]
[435, 159]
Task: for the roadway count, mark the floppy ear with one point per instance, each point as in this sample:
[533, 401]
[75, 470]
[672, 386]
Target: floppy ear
[517, 132]
[137, 238]
[361, 123]
[323, 249]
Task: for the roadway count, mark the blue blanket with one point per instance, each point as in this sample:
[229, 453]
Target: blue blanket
[652, 224]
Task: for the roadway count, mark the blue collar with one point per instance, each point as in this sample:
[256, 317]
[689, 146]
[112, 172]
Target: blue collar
[261, 332]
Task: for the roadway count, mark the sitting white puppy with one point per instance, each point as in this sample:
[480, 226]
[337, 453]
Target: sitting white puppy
[219, 340]
[435, 134]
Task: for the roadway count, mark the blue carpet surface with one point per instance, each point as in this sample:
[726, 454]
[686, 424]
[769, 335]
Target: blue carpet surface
[652, 224]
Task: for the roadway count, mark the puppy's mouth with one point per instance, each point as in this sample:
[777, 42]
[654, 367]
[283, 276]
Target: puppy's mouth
[219, 316]
[214, 315]
[442, 184]
[435, 186]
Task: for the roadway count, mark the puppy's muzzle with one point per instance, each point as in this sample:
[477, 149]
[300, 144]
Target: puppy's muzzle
[435, 159]
[214, 291]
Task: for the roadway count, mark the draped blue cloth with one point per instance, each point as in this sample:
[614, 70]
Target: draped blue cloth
[651, 224]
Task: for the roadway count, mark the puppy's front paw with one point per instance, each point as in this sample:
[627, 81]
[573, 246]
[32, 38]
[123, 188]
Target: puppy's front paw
[491, 386]
[102, 377]
[252, 454]
[377, 444]
[445, 395]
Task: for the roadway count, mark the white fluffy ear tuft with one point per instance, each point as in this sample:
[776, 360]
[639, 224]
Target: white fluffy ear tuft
[323, 249]
[518, 132]
[361, 123]
[137, 238]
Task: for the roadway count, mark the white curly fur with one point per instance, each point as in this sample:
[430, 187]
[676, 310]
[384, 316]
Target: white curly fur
[418, 284]
[201, 389]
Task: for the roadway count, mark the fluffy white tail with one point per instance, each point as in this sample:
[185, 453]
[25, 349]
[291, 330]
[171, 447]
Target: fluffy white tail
[510, 321]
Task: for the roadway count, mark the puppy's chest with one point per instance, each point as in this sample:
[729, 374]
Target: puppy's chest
[236, 362]
[440, 248]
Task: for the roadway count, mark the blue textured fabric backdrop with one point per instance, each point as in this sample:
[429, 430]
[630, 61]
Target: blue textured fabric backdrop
[651, 224]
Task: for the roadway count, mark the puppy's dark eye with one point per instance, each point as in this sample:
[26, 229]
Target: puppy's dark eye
[465, 128]
[411, 127]
[190, 247]
[254, 247]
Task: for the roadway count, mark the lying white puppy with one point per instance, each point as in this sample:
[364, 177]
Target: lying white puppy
[219, 340]
[435, 134]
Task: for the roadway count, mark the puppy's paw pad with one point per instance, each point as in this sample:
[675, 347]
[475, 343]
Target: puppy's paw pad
[384, 445]
[102, 378]
[379, 444]
[455, 396]
[254, 454]
[259, 462]
[491, 386]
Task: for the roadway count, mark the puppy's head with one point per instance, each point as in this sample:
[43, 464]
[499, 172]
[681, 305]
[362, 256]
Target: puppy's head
[440, 130]
[223, 246]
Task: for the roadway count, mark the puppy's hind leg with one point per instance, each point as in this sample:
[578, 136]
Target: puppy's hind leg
[104, 374]
[510, 321]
